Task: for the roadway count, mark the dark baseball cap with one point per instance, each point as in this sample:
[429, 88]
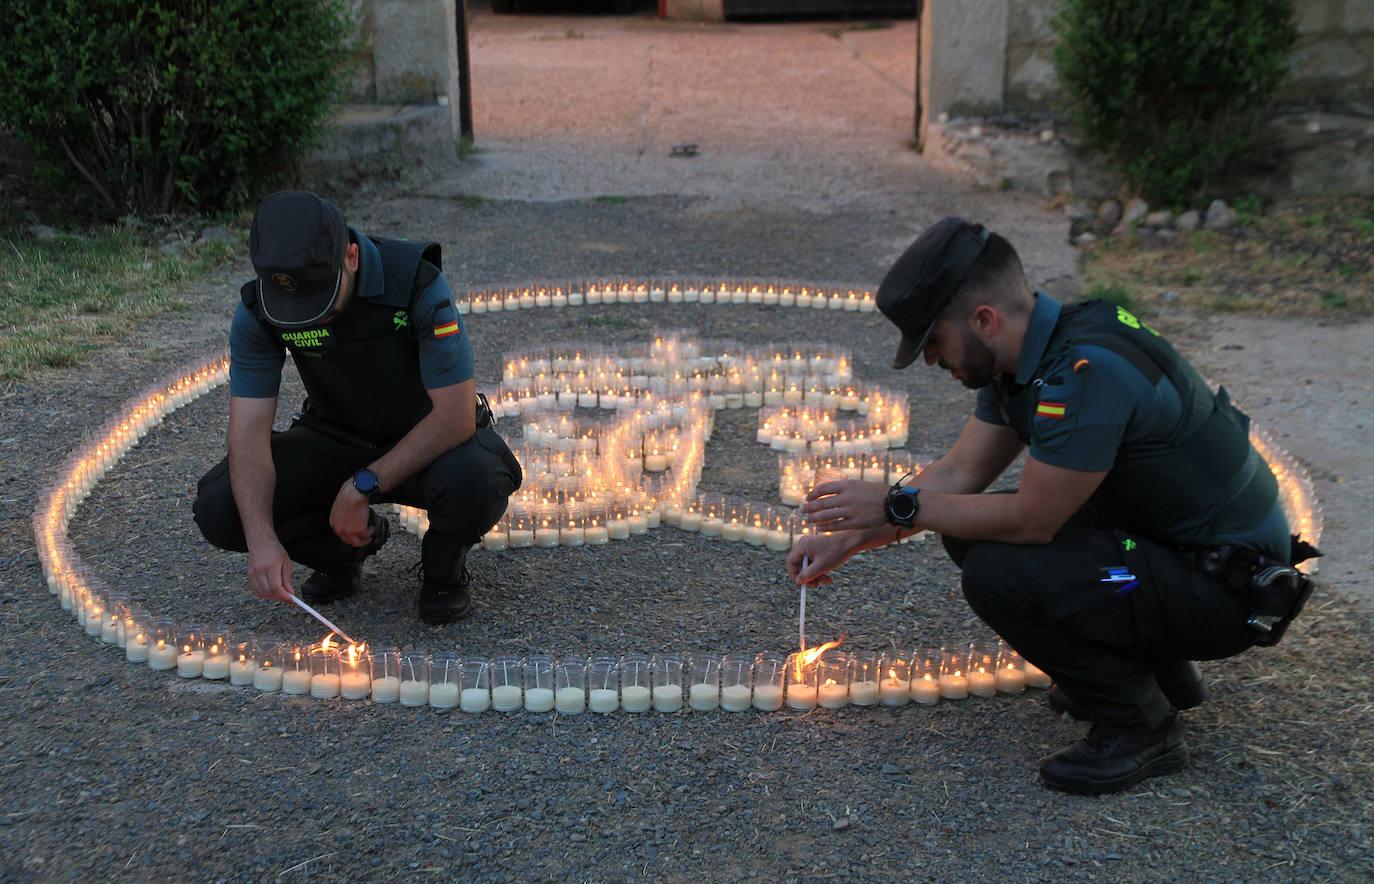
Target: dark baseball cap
[297, 244]
[926, 278]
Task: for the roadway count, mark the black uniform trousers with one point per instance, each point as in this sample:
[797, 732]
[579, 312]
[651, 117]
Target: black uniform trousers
[465, 491]
[1108, 645]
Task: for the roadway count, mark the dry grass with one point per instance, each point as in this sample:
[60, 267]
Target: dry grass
[1313, 257]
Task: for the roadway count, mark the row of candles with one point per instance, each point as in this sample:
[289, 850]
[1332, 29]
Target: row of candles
[665, 291]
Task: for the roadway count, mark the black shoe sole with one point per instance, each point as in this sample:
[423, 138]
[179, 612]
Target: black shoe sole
[1170, 762]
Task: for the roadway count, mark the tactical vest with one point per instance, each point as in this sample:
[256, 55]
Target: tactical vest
[1203, 480]
[362, 370]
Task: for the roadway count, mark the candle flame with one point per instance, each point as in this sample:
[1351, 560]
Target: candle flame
[325, 645]
[807, 657]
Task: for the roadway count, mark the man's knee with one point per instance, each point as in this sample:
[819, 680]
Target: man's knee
[216, 514]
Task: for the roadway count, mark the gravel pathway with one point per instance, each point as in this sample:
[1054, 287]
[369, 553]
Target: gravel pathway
[110, 769]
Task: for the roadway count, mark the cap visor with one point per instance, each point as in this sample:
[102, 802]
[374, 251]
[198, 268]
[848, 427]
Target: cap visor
[295, 309]
[909, 350]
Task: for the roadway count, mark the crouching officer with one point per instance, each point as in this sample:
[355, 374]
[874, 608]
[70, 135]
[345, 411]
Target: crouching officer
[1145, 533]
[392, 414]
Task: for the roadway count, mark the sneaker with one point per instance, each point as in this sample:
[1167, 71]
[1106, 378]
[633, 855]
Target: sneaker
[1110, 760]
[324, 587]
[442, 602]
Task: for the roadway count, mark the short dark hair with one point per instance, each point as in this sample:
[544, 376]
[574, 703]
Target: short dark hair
[997, 279]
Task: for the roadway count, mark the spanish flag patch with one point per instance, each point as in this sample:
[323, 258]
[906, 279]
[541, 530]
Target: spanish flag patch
[448, 328]
[1050, 409]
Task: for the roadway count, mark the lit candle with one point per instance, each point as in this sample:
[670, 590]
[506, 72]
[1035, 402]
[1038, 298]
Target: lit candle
[267, 678]
[596, 535]
[711, 526]
[547, 536]
[521, 537]
[801, 697]
[778, 540]
[571, 536]
[355, 679]
[755, 535]
[953, 686]
[691, 521]
[731, 530]
[241, 670]
[618, 529]
[190, 662]
[136, 648]
[295, 681]
[655, 463]
[216, 662]
[893, 691]
[639, 523]
[982, 683]
[833, 695]
[495, 540]
[864, 693]
[1010, 680]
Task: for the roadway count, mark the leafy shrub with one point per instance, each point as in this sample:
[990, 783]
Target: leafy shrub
[151, 106]
[1172, 90]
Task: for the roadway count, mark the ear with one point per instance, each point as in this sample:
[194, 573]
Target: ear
[985, 321]
[351, 258]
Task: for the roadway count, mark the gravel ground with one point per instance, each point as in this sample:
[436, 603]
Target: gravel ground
[110, 769]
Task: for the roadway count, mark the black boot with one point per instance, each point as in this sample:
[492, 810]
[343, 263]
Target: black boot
[445, 588]
[1110, 760]
[1181, 683]
[325, 586]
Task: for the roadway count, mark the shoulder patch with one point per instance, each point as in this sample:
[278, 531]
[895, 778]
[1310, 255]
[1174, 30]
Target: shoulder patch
[1056, 410]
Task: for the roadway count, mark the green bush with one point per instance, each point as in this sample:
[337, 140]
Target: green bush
[151, 106]
[1172, 90]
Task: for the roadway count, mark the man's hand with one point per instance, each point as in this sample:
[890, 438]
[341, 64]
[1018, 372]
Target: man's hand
[827, 553]
[847, 505]
[348, 516]
[269, 571]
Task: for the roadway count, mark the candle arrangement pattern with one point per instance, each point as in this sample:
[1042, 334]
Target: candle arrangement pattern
[595, 482]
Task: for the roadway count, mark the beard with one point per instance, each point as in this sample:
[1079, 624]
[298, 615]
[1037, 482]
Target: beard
[980, 365]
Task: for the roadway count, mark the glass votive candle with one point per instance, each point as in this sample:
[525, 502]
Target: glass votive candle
[190, 652]
[384, 670]
[444, 680]
[570, 680]
[864, 683]
[667, 675]
[769, 673]
[241, 665]
[982, 668]
[894, 689]
[267, 664]
[521, 532]
[414, 687]
[474, 678]
[703, 682]
[217, 659]
[113, 616]
[603, 676]
[93, 618]
[953, 674]
[636, 683]
[355, 673]
[126, 615]
[1011, 671]
[1035, 676]
[537, 674]
[801, 682]
[137, 636]
[295, 675]
[736, 682]
[833, 680]
[504, 672]
[324, 672]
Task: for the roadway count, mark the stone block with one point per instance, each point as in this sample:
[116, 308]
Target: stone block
[1029, 21]
[381, 144]
[415, 52]
[1311, 16]
[1326, 61]
[1031, 80]
[963, 56]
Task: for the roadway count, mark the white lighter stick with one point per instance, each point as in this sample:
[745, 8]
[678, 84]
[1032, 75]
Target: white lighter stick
[801, 618]
[320, 617]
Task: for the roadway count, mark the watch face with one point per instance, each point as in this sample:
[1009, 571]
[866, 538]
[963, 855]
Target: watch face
[365, 481]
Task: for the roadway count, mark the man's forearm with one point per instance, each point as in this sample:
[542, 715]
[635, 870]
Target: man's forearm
[253, 479]
[431, 437]
[950, 506]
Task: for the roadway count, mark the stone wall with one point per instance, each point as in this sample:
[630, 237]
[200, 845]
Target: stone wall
[406, 52]
[1030, 83]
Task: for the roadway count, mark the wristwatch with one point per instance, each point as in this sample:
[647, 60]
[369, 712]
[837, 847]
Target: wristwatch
[902, 505]
[368, 485]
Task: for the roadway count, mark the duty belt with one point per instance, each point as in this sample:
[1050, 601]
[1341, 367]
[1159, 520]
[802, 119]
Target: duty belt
[1274, 591]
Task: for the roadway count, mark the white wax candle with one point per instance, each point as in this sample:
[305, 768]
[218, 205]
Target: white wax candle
[893, 692]
[767, 697]
[506, 697]
[191, 664]
[443, 694]
[711, 526]
[867, 305]
[833, 695]
[791, 496]
[386, 689]
[736, 698]
[732, 531]
[755, 535]
[495, 541]
[951, 687]
[216, 666]
[521, 538]
[703, 697]
[667, 698]
[1036, 677]
[267, 679]
[241, 671]
[753, 399]
[655, 463]
[1011, 681]
[570, 701]
[982, 684]
[295, 681]
[546, 538]
[136, 649]
[635, 698]
[354, 684]
[596, 535]
[109, 630]
[603, 700]
[571, 537]
[95, 622]
[539, 700]
[690, 522]
[413, 692]
[618, 529]
[324, 686]
[653, 518]
[639, 524]
[778, 541]
[472, 699]
[801, 697]
[863, 693]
